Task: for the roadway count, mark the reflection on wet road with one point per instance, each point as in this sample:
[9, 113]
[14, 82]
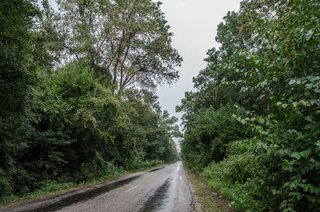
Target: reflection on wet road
[156, 200]
[162, 189]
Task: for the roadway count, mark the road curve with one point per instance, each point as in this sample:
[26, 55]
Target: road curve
[162, 189]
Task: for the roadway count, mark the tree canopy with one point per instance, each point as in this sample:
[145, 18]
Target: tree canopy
[252, 126]
[77, 97]
[127, 42]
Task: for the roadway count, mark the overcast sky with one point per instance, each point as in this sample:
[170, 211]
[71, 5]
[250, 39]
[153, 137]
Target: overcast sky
[194, 25]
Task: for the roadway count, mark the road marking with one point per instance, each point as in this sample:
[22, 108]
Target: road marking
[132, 188]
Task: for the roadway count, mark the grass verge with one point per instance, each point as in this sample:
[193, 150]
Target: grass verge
[203, 199]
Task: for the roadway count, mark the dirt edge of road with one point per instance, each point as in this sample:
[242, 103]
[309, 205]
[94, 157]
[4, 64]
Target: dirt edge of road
[202, 197]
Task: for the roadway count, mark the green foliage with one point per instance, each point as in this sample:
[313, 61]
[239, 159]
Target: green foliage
[290, 73]
[208, 112]
[127, 42]
[208, 138]
[238, 179]
[78, 130]
[275, 76]
[16, 76]
[60, 125]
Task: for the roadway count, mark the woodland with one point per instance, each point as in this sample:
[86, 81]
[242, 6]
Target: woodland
[78, 102]
[77, 90]
[252, 125]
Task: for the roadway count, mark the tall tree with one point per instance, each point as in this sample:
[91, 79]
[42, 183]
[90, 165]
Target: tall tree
[127, 42]
[276, 169]
[67, 126]
[16, 76]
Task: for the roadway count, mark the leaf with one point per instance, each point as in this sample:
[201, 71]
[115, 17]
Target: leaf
[308, 118]
[260, 120]
[292, 82]
[309, 34]
[296, 155]
[305, 153]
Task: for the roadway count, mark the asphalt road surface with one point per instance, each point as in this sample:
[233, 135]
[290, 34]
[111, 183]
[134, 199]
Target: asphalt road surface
[162, 189]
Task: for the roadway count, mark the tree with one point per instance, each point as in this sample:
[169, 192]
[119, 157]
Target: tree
[152, 131]
[208, 120]
[81, 118]
[47, 39]
[128, 42]
[16, 75]
[288, 61]
[277, 168]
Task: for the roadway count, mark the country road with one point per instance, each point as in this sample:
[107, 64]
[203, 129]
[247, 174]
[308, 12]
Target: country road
[162, 189]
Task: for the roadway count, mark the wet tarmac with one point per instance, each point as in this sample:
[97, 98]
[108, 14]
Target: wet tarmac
[155, 202]
[161, 189]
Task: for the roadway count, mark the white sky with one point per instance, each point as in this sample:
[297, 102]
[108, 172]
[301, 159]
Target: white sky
[194, 25]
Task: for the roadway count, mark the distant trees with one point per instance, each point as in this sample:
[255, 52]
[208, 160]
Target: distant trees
[268, 66]
[76, 89]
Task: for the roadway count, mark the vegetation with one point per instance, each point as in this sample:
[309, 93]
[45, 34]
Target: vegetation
[77, 92]
[252, 126]
[202, 197]
[77, 99]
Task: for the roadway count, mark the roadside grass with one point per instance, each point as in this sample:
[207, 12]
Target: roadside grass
[53, 188]
[203, 199]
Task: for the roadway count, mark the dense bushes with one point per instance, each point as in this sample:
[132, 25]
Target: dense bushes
[208, 138]
[16, 76]
[78, 130]
[276, 166]
[62, 122]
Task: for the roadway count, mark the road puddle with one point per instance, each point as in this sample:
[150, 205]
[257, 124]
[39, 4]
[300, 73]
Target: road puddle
[156, 200]
[80, 197]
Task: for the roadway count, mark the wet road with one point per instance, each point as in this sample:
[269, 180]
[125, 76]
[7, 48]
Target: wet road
[162, 189]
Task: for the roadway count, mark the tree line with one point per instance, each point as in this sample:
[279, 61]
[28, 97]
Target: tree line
[78, 91]
[252, 127]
